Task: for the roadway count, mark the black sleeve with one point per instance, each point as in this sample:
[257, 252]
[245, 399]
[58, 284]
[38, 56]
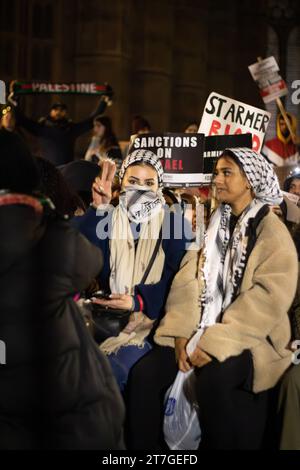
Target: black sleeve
[71, 261]
[28, 124]
[88, 262]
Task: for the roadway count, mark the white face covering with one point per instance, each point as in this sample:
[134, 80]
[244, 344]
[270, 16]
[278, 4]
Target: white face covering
[140, 203]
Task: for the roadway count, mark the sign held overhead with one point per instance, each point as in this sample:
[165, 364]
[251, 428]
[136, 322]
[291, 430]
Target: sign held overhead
[224, 116]
[266, 74]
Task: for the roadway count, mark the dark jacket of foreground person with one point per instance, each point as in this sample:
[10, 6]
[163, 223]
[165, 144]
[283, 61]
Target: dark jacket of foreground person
[56, 388]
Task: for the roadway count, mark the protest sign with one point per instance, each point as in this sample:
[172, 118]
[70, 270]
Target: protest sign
[31, 88]
[181, 156]
[266, 74]
[225, 116]
[271, 85]
[2, 92]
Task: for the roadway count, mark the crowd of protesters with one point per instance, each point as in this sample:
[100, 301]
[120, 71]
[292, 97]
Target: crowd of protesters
[100, 233]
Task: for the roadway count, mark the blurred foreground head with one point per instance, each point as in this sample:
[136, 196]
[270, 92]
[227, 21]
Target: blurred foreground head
[80, 175]
[55, 187]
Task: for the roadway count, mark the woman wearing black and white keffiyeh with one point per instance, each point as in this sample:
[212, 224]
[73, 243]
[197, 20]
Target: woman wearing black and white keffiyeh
[141, 253]
[234, 331]
[245, 186]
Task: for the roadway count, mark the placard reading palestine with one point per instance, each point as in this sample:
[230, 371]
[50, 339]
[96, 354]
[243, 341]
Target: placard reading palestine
[29, 88]
[266, 74]
[225, 116]
[181, 156]
[2, 92]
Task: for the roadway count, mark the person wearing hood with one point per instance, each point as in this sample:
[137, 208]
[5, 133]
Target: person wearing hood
[57, 133]
[138, 226]
[57, 390]
[237, 337]
[281, 150]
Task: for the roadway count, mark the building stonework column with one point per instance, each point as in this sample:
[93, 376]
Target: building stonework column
[190, 55]
[152, 62]
[103, 54]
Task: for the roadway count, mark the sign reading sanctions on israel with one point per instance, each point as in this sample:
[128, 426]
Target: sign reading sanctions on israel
[181, 156]
[225, 116]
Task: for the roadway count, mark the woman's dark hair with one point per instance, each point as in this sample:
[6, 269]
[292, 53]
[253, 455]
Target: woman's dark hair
[191, 123]
[109, 138]
[139, 123]
[287, 183]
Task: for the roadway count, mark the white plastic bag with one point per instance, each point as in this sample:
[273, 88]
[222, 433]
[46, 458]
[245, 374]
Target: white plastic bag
[181, 422]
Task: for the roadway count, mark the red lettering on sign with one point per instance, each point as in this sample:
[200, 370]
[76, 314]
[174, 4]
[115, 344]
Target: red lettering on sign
[255, 142]
[238, 131]
[167, 165]
[172, 164]
[227, 129]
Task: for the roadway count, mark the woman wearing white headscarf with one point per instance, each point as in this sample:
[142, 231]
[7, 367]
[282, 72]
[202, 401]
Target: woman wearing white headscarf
[237, 331]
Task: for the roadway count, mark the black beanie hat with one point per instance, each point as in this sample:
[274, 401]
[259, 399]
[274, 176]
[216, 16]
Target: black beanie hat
[18, 171]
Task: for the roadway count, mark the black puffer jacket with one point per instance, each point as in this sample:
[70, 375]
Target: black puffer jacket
[56, 388]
